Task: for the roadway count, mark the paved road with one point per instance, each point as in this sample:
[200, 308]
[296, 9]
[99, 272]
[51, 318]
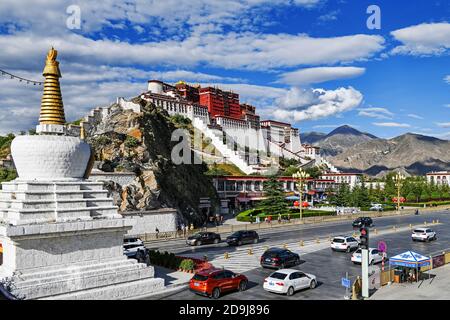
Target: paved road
[318, 259]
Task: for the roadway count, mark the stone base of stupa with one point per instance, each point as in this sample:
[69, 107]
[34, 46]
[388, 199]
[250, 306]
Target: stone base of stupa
[64, 240]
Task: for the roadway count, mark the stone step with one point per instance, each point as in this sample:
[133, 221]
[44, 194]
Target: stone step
[54, 271]
[47, 195]
[75, 281]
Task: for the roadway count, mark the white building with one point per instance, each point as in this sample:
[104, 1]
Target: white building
[439, 177]
[352, 179]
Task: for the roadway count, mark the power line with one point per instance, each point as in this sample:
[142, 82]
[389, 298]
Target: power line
[12, 76]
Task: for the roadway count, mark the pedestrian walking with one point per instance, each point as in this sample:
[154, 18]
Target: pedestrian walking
[157, 232]
[279, 218]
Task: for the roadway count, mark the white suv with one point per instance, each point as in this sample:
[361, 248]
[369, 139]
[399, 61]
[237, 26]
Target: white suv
[423, 234]
[375, 256]
[344, 243]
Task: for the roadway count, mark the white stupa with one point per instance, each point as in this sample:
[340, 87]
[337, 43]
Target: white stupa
[61, 234]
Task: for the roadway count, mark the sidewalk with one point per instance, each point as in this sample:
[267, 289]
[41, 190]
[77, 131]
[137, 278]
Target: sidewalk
[435, 288]
[172, 278]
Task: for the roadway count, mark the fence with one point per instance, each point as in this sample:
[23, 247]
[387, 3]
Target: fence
[226, 229]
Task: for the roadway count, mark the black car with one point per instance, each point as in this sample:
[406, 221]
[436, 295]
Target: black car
[203, 238]
[362, 221]
[279, 258]
[241, 237]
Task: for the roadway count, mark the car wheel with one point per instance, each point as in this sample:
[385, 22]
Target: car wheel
[313, 284]
[348, 249]
[216, 241]
[290, 291]
[242, 285]
[216, 293]
[371, 262]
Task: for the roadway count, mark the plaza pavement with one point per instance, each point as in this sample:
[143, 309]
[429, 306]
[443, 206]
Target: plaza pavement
[435, 288]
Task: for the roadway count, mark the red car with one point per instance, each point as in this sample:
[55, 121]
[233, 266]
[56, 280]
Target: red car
[212, 282]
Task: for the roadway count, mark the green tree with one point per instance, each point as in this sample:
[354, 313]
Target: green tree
[274, 201]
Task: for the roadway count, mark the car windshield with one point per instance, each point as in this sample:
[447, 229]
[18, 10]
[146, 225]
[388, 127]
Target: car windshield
[278, 275]
[197, 235]
[236, 234]
[338, 240]
[200, 277]
[358, 251]
[272, 253]
[131, 246]
[419, 231]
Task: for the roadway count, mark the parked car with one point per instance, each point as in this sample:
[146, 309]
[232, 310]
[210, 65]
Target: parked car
[279, 258]
[423, 234]
[344, 243]
[362, 221]
[376, 207]
[213, 282]
[287, 281]
[203, 238]
[375, 256]
[243, 237]
[132, 246]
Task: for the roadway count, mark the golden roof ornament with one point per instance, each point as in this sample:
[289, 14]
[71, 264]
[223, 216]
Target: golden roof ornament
[52, 109]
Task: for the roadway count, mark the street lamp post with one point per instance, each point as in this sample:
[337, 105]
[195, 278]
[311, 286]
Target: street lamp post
[301, 175]
[398, 178]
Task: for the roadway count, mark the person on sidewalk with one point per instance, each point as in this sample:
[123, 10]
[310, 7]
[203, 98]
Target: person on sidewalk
[157, 232]
[279, 218]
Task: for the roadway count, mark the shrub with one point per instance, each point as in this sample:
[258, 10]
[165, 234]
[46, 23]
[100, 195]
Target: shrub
[187, 264]
[131, 142]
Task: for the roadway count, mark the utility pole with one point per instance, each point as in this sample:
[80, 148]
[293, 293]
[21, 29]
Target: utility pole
[364, 245]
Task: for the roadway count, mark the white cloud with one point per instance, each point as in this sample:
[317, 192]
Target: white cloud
[443, 124]
[391, 124]
[447, 79]
[320, 74]
[314, 104]
[234, 51]
[415, 116]
[379, 113]
[423, 39]
[330, 16]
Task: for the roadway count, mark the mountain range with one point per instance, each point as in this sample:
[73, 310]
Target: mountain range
[352, 150]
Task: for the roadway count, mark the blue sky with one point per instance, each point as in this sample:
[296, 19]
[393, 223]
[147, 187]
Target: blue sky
[310, 62]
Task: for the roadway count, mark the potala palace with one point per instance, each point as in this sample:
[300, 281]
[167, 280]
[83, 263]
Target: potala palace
[233, 128]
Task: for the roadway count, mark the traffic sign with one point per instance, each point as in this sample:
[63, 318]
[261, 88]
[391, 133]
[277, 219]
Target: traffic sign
[382, 246]
[346, 282]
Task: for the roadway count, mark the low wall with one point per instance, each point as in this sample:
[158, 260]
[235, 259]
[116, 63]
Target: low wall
[122, 178]
[147, 221]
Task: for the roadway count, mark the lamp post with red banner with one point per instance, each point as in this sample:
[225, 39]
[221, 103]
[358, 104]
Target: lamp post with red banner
[398, 178]
[301, 175]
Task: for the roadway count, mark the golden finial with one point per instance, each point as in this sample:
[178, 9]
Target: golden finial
[52, 109]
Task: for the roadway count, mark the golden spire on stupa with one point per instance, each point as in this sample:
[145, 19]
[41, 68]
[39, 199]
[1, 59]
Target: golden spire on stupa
[52, 109]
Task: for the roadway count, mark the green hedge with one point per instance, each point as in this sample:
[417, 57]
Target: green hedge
[293, 213]
[166, 259]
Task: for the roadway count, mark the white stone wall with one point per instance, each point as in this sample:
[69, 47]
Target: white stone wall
[147, 221]
[122, 178]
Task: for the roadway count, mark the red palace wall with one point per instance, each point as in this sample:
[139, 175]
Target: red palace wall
[220, 103]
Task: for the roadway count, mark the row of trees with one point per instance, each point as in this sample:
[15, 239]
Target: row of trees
[413, 189]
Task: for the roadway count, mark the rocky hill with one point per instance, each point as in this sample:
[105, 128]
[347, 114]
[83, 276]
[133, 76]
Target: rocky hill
[416, 154]
[141, 143]
[340, 139]
[312, 137]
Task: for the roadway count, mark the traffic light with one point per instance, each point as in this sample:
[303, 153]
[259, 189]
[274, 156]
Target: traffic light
[364, 238]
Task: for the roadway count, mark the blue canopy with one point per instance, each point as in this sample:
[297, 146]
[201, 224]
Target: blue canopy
[409, 259]
[293, 198]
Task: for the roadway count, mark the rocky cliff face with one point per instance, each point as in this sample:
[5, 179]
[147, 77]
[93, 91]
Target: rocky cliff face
[141, 143]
